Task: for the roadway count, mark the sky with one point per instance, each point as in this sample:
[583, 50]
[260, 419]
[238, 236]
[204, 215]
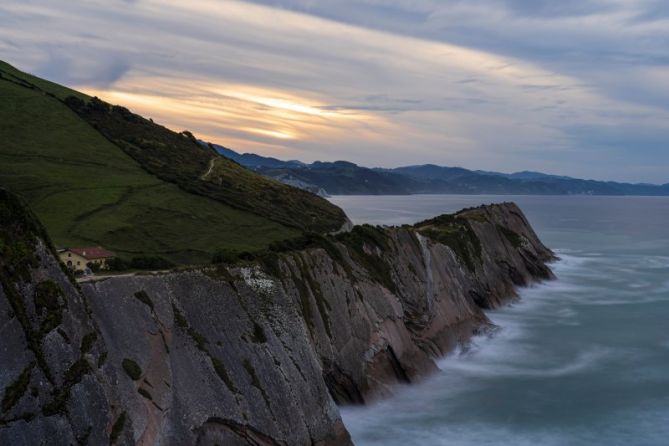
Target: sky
[571, 87]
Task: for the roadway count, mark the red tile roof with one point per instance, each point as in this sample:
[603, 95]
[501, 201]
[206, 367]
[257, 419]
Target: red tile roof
[93, 252]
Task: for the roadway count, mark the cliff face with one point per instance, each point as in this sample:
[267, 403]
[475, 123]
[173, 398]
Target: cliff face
[250, 355]
[53, 389]
[392, 301]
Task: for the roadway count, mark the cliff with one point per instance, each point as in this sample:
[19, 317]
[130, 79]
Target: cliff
[251, 354]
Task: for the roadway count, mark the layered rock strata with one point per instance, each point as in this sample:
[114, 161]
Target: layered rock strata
[258, 353]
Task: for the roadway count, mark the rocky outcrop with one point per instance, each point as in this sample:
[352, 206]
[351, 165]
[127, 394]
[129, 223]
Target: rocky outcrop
[54, 389]
[381, 304]
[252, 354]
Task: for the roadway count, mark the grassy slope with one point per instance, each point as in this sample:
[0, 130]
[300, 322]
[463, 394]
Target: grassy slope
[178, 158]
[87, 191]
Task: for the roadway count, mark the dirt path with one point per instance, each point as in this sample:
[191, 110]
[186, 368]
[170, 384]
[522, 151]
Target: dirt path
[212, 163]
[97, 277]
[124, 197]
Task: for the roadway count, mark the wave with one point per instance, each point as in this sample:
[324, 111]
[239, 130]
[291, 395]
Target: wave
[536, 347]
[514, 360]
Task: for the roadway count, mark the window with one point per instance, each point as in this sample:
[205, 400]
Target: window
[78, 263]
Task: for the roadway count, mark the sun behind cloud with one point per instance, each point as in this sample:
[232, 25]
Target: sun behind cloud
[249, 114]
[304, 85]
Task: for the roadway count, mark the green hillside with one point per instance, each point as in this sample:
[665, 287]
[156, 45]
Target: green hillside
[179, 158]
[79, 178]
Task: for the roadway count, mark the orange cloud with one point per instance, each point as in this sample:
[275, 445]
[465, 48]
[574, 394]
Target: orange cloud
[247, 117]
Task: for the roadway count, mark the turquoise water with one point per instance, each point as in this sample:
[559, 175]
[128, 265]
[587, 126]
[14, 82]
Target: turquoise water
[582, 360]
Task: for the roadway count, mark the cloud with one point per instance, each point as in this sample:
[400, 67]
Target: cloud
[83, 69]
[480, 83]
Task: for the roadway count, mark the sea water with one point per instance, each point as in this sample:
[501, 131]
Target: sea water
[582, 360]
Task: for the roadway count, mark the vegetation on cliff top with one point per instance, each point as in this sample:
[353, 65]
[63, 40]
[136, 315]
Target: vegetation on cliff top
[455, 231]
[98, 174]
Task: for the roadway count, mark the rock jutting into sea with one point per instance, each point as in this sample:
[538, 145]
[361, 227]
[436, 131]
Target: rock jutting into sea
[259, 353]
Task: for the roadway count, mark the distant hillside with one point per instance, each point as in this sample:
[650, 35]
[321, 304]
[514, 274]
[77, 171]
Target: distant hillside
[344, 178]
[336, 178]
[251, 160]
[98, 174]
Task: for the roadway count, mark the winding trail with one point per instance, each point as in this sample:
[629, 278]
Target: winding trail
[212, 163]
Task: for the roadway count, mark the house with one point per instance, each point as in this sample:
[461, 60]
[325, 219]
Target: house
[78, 259]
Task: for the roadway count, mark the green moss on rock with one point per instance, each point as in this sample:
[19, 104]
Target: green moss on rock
[222, 373]
[198, 338]
[512, 236]
[17, 389]
[258, 336]
[321, 303]
[88, 341]
[255, 382]
[132, 369]
[145, 393]
[102, 359]
[369, 247]
[201, 343]
[49, 303]
[61, 394]
[305, 300]
[456, 233]
[143, 297]
[117, 428]
[179, 319]
[19, 231]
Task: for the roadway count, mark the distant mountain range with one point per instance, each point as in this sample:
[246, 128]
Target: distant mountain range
[345, 178]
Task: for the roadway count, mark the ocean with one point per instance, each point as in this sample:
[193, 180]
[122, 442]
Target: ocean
[582, 360]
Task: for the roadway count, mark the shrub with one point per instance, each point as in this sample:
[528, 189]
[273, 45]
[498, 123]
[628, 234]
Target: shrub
[95, 267]
[247, 256]
[225, 256]
[150, 263]
[117, 264]
[141, 262]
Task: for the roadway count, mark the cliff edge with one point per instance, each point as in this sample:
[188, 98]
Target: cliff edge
[258, 353]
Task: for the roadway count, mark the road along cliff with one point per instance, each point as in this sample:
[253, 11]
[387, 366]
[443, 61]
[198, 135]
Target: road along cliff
[257, 353]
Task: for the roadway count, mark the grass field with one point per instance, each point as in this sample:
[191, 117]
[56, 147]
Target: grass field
[180, 159]
[88, 191]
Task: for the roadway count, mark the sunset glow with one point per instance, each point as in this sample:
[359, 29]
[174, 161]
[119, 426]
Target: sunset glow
[310, 81]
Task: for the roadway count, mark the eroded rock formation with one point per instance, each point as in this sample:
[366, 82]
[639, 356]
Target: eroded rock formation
[252, 354]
